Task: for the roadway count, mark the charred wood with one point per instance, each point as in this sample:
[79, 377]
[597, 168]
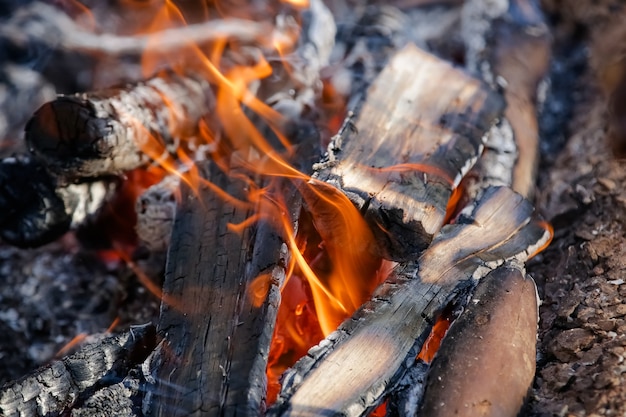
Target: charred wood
[399, 167]
[221, 294]
[486, 363]
[55, 388]
[36, 209]
[351, 370]
[107, 132]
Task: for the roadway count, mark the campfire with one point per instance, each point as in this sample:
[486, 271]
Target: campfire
[315, 208]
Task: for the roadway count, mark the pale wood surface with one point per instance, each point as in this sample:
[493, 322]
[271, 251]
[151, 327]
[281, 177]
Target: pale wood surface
[419, 130]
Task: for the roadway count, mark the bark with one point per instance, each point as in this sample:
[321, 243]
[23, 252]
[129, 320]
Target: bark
[486, 363]
[349, 372]
[111, 131]
[56, 387]
[399, 167]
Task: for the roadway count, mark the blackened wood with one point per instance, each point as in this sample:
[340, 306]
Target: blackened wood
[486, 363]
[35, 209]
[418, 132]
[349, 372]
[107, 132]
[53, 389]
[221, 293]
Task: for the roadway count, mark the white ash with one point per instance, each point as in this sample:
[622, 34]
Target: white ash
[156, 210]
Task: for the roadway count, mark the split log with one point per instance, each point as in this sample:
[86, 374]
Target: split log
[36, 210]
[401, 170]
[351, 370]
[108, 132]
[221, 294]
[54, 388]
[486, 363]
[509, 45]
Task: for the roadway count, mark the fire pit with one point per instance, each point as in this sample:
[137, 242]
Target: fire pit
[319, 209]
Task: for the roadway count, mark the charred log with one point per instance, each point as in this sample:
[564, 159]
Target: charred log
[108, 132]
[220, 297]
[56, 387]
[42, 25]
[352, 369]
[36, 209]
[399, 167]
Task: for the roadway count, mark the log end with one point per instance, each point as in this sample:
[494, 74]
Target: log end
[67, 131]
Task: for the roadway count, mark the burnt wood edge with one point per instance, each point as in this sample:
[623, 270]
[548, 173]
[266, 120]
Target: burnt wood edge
[401, 236]
[405, 285]
[65, 383]
[104, 132]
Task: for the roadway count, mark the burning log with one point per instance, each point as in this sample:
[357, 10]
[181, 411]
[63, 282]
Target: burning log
[352, 369]
[399, 168]
[57, 386]
[107, 132]
[486, 363]
[221, 293]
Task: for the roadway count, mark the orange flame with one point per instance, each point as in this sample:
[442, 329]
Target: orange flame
[333, 269]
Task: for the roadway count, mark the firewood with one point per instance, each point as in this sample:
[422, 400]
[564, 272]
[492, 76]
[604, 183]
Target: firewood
[36, 209]
[56, 30]
[106, 132]
[54, 388]
[509, 45]
[419, 131]
[486, 363]
[221, 293]
[350, 371]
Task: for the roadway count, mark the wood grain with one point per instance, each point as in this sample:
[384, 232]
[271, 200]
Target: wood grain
[419, 130]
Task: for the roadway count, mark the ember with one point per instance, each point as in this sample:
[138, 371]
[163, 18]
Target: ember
[330, 202]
